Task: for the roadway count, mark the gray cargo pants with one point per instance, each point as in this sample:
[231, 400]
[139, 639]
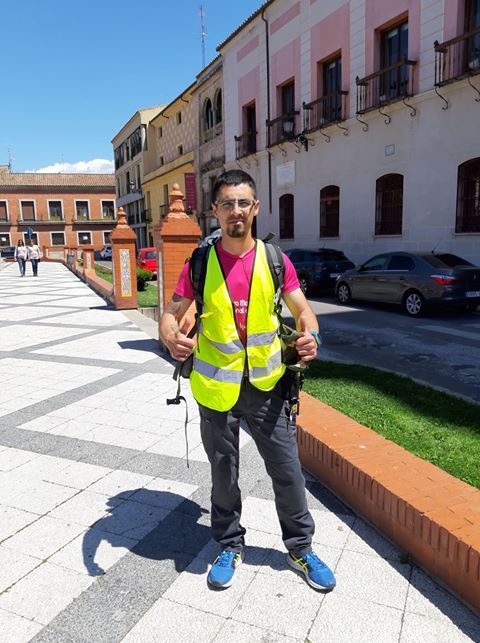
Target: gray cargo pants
[275, 438]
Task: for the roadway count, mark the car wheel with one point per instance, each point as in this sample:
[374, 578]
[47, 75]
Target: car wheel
[344, 295]
[304, 284]
[414, 303]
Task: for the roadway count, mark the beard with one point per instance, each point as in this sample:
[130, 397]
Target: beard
[238, 230]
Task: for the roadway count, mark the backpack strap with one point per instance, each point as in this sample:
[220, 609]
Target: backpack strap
[276, 264]
[198, 272]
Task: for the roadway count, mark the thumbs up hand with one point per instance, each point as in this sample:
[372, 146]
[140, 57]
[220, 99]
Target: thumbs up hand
[179, 345]
[306, 345]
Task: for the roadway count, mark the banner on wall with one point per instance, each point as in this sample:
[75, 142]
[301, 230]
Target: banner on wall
[190, 192]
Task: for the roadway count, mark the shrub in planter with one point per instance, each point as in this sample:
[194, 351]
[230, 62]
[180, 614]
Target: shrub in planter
[142, 277]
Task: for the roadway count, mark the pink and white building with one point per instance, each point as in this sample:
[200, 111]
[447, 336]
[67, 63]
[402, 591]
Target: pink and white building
[360, 121]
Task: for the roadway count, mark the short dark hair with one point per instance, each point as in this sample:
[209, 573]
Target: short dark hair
[233, 177]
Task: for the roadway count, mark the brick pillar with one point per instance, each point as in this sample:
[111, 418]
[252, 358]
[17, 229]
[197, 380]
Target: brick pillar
[124, 266]
[175, 239]
[87, 257]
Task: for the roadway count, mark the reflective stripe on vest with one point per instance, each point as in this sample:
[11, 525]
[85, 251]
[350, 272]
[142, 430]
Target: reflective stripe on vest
[273, 363]
[218, 374]
[220, 357]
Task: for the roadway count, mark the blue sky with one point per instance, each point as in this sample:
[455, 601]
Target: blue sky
[73, 72]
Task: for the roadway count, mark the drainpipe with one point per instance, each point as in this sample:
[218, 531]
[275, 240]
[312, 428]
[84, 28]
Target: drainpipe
[267, 54]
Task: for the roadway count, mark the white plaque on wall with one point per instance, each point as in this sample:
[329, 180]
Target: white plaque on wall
[125, 272]
[286, 174]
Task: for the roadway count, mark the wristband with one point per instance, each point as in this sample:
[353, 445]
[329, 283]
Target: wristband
[317, 337]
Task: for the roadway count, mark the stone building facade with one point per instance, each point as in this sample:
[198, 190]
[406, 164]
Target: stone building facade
[359, 121]
[130, 145]
[209, 158]
[170, 157]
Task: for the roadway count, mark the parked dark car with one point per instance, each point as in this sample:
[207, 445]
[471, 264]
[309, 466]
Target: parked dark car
[7, 252]
[414, 281]
[318, 268]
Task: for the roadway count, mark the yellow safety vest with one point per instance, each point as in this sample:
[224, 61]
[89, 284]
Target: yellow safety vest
[220, 358]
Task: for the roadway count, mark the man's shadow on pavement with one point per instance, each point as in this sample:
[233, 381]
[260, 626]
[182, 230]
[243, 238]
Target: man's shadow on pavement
[175, 535]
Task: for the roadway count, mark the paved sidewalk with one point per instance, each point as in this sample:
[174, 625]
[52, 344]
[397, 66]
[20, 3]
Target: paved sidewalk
[104, 531]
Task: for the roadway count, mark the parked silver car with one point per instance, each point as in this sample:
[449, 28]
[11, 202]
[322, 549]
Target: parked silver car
[413, 280]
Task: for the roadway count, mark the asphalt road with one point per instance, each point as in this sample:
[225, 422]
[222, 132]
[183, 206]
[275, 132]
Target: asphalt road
[441, 349]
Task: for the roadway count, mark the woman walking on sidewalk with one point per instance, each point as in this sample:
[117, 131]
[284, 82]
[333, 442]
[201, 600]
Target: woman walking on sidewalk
[34, 256]
[21, 255]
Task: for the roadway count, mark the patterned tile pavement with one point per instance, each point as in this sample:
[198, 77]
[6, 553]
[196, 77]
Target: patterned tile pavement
[104, 531]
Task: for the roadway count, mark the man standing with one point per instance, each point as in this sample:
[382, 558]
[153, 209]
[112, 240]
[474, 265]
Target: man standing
[238, 374]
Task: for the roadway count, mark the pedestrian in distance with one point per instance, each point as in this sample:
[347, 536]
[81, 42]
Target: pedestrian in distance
[238, 374]
[21, 256]
[34, 255]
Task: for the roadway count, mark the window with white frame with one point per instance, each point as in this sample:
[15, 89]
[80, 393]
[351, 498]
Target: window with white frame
[55, 210]
[28, 210]
[106, 237]
[58, 238]
[27, 239]
[4, 239]
[108, 210]
[84, 238]
[3, 210]
[82, 210]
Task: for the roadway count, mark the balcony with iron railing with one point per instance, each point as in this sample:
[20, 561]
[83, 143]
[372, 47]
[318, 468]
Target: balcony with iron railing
[385, 86]
[245, 144]
[457, 58]
[324, 111]
[284, 128]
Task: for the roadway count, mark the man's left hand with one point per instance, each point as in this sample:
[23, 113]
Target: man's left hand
[306, 345]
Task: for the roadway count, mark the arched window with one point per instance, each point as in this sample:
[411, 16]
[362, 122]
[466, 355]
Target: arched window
[286, 215]
[389, 204]
[329, 211]
[468, 197]
[218, 107]
[208, 115]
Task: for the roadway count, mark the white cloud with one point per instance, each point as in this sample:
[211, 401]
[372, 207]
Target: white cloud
[96, 166]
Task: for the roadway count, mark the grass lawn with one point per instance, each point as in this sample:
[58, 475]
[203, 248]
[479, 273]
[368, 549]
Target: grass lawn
[435, 426]
[146, 298]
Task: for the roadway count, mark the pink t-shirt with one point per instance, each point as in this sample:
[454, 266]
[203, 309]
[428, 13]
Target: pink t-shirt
[238, 271]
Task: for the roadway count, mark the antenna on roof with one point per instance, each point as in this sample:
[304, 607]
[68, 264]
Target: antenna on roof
[203, 33]
[10, 160]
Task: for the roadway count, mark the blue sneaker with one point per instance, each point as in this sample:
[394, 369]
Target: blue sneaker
[223, 568]
[318, 575]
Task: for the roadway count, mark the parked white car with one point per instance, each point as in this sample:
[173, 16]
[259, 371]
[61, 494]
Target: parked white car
[106, 252]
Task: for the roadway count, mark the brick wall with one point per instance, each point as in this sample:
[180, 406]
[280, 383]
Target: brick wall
[428, 513]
